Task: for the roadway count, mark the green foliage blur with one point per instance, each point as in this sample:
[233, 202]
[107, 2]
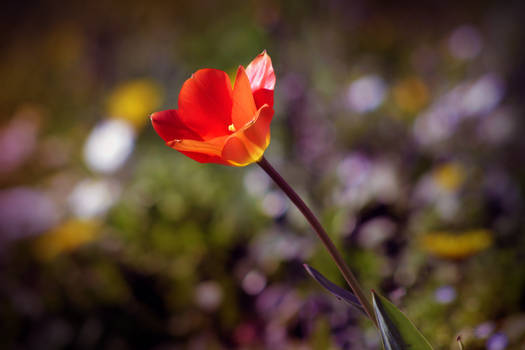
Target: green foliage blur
[400, 124]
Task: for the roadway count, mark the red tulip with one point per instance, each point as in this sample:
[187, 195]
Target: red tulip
[218, 124]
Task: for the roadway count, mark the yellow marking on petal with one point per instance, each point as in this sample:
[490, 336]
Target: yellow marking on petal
[231, 128]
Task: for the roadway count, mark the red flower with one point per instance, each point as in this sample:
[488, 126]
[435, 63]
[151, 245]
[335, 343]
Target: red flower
[218, 124]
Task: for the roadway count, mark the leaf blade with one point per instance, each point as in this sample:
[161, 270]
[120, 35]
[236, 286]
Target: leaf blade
[397, 331]
[334, 289]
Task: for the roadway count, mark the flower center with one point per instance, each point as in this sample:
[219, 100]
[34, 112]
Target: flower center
[231, 128]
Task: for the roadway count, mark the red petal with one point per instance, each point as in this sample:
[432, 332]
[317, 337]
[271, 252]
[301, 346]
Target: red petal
[263, 97]
[205, 103]
[243, 110]
[205, 158]
[260, 72]
[248, 144]
[169, 126]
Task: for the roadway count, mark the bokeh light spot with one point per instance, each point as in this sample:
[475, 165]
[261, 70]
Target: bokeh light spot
[109, 145]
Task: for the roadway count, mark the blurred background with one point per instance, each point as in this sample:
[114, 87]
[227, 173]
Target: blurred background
[400, 124]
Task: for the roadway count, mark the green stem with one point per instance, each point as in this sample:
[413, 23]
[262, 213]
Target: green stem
[321, 233]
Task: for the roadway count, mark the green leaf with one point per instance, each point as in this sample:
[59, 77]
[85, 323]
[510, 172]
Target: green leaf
[338, 292]
[397, 332]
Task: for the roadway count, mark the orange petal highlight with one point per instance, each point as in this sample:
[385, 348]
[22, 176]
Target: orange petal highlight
[211, 147]
[243, 110]
[201, 151]
[205, 103]
[258, 132]
[236, 153]
[247, 145]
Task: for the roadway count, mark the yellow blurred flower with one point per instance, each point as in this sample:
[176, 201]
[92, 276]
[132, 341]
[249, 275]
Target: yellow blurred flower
[66, 237]
[411, 95]
[134, 101]
[449, 176]
[456, 245]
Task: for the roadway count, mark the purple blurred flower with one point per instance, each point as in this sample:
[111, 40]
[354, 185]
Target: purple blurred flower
[278, 302]
[18, 140]
[365, 179]
[445, 294]
[25, 212]
[484, 330]
[465, 42]
[366, 94]
[498, 341]
[467, 100]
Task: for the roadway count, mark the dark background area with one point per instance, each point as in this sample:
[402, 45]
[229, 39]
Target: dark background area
[400, 123]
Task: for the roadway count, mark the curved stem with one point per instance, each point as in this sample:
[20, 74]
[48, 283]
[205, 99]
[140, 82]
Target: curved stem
[321, 233]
